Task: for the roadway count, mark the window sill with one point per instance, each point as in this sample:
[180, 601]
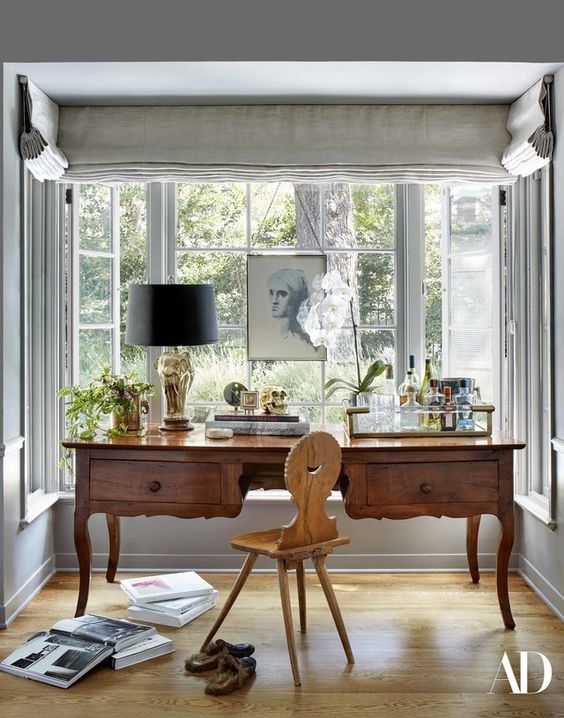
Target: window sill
[37, 505]
[537, 508]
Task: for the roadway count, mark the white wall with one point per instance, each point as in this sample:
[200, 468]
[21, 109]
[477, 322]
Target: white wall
[246, 30]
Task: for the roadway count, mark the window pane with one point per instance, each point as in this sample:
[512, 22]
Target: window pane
[211, 215]
[273, 215]
[217, 365]
[471, 219]
[228, 274]
[371, 276]
[95, 289]
[374, 215]
[373, 344]
[471, 287]
[433, 276]
[133, 265]
[95, 352]
[301, 379]
[95, 223]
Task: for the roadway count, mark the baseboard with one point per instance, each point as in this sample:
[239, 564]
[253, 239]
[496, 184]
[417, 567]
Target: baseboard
[151, 563]
[548, 593]
[16, 604]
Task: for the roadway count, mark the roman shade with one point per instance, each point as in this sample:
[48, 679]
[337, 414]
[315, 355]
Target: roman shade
[38, 140]
[299, 143]
[529, 123]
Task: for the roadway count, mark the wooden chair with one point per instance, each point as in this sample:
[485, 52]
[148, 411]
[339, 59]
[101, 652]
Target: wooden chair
[311, 470]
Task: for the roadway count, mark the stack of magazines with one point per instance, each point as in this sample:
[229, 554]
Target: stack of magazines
[269, 424]
[172, 599]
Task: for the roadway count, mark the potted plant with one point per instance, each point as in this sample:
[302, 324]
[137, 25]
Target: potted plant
[116, 399]
[322, 315]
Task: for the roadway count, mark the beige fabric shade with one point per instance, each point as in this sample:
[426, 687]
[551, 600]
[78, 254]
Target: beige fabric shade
[38, 141]
[529, 124]
[300, 143]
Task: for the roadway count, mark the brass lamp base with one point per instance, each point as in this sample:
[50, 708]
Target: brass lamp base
[177, 423]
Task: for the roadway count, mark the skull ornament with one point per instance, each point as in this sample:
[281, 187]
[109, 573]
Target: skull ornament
[273, 400]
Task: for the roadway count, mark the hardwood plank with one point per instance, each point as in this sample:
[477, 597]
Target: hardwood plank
[425, 645]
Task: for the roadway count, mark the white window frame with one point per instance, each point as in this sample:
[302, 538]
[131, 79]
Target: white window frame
[530, 344]
[44, 346]
[73, 297]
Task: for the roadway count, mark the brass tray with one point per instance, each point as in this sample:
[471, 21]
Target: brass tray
[358, 424]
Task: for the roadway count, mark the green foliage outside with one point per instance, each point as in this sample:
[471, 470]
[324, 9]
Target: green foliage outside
[213, 216]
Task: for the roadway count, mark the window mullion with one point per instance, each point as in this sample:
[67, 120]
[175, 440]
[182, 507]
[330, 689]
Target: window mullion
[73, 334]
[115, 228]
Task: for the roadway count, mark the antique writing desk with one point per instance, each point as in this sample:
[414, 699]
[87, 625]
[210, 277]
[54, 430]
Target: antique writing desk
[187, 475]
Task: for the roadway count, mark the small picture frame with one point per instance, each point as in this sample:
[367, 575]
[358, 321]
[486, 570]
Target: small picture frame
[249, 401]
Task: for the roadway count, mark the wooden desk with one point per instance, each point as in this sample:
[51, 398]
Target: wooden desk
[189, 476]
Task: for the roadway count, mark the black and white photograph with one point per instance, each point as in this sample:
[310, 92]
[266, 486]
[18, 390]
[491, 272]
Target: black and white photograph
[277, 285]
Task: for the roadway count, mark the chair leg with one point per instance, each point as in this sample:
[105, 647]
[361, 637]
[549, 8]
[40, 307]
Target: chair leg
[287, 613]
[301, 594]
[319, 563]
[239, 583]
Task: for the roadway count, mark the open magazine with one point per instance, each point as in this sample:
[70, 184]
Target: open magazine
[72, 647]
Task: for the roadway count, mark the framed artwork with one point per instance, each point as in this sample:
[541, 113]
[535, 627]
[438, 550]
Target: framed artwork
[276, 287]
[249, 400]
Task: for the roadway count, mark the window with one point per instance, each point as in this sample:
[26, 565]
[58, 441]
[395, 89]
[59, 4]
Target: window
[43, 314]
[423, 263]
[529, 344]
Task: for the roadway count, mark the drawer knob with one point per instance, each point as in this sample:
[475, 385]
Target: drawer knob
[426, 488]
[154, 485]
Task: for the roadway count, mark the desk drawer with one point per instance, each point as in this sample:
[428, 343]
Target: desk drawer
[155, 481]
[433, 483]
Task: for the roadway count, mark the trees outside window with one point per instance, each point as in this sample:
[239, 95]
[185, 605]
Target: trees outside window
[360, 229]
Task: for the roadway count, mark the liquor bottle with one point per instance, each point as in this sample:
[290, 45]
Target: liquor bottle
[389, 386]
[415, 375]
[432, 403]
[410, 410]
[448, 415]
[424, 388]
[464, 400]
[407, 382]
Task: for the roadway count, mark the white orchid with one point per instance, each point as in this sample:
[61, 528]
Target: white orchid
[322, 316]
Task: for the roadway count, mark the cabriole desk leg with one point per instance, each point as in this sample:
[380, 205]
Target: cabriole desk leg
[503, 554]
[114, 538]
[472, 526]
[84, 555]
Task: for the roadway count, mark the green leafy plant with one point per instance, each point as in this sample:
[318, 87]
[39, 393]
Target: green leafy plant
[86, 408]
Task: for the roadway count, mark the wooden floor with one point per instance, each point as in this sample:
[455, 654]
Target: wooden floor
[425, 645]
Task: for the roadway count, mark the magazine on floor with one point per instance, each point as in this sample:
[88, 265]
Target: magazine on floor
[154, 646]
[165, 587]
[143, 613]
[178, 606]
[72, 647]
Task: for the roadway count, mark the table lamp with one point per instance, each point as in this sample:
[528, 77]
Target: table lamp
[172, 315]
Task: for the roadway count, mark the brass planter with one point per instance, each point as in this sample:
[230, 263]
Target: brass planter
[132, 419]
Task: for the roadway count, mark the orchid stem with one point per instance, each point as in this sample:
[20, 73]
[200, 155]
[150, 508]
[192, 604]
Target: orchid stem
[355, 339]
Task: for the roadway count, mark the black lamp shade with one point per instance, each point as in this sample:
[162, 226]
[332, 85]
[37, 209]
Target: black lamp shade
[171, 315]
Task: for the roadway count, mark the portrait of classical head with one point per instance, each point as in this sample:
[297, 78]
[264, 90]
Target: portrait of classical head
[277, 285]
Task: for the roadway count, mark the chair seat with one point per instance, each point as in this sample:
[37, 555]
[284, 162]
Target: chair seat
[266, 544]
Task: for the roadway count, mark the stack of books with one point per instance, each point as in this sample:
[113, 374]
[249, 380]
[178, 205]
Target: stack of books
[74, 646]
[270, 424]
[172, 599]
